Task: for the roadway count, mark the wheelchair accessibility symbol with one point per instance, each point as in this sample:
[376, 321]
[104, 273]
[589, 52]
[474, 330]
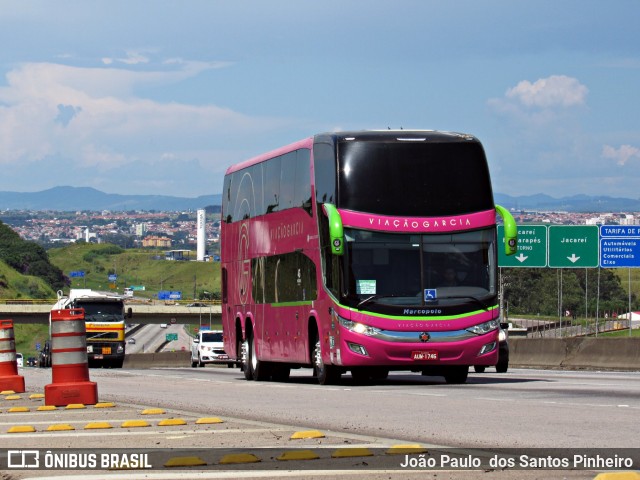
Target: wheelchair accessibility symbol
[430, 294]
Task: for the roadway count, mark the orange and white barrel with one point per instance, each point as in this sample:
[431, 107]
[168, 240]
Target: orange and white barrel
[69, 362]
[9, 378]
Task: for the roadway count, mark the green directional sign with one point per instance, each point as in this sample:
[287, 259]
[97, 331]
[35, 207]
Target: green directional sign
[573, 246]
[532, 247]
[171, 337]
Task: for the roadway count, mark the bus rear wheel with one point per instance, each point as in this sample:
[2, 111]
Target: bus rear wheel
[326, 374]
[245, 362]
[258, 370]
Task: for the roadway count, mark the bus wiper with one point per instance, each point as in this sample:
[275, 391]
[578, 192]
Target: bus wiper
[365, 301]
[475, 299]
[374, 297]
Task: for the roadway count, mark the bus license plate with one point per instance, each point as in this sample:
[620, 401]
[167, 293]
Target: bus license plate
[429, 355]
[98, 357]
[106, 350]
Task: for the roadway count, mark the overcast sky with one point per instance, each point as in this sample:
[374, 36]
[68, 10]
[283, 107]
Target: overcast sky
[159, 97]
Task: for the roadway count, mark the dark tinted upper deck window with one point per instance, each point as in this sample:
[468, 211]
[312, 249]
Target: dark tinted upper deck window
[417, 178]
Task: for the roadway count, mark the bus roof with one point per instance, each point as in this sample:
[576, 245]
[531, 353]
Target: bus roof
[305, 143]
[407, 135]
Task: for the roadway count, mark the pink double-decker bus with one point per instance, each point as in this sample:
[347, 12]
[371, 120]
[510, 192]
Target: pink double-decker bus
[362, 251]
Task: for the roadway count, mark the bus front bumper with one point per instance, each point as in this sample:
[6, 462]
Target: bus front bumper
[425, 349]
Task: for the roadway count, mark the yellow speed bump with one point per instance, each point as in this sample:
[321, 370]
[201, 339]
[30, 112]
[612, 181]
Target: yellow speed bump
[171, 422]
[618, 476]
[13, 397]
[352, 452]
[134, 424]
[7, 392]
[307, 434]
[105, 405]
[185, 462]
[97, 425]
[75, 406]
[206, 420]
[406, 449]
[33, 396]
[21, 429]
[298, 455]
[153, 411]
[18, 409]
[60, 427]
[45, 408]
[239, 458]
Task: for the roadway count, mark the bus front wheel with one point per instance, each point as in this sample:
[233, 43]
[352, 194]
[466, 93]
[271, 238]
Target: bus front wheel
[457, 374]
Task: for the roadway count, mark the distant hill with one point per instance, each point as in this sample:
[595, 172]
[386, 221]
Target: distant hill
[576, 203]
[70, 199]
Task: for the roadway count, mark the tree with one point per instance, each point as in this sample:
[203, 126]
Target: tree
[29, 258]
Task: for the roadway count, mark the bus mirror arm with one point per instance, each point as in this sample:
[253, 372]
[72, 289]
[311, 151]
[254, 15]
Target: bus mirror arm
[336, 231]
[510, 231]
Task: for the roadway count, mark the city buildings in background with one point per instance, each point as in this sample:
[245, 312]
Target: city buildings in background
[167, 230]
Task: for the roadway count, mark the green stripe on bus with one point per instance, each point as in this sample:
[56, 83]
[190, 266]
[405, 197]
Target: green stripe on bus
[422, 319]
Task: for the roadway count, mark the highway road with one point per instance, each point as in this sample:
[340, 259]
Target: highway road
[149, 338]
[523, 409]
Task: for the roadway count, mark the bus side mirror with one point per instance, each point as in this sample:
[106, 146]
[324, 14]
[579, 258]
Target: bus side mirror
[510, 231]
[129, 312]
[336, 231]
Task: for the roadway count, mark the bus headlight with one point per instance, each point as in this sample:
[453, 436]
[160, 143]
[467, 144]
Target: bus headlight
[484, 328]
[120, 349]
[359, 327]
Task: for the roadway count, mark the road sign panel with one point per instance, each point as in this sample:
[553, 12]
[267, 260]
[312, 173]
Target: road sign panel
[619, 246]
[532, 247]
[573, 246]
[171, 337]
[77, 274]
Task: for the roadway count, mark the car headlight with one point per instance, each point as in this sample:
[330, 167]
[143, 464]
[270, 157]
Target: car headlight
[358, 327]
[484, 328]
[502, 335]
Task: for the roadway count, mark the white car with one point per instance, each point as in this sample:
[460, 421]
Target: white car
[207, 347]
[19, 360]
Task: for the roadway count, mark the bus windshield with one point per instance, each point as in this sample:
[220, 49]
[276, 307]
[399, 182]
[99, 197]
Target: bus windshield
[412, 270]
[415, 179]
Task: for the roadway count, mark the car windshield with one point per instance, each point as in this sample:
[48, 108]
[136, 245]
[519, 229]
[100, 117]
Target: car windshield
[412, 270]
[212, 337]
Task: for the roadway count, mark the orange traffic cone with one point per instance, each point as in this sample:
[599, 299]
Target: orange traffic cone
[69, 363]
[9, 378]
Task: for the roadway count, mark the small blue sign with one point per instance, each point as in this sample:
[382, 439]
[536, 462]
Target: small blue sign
[169, 295]
[619, 246]
[430, 294]
[77, 274]
[113, 277]
[38, 346]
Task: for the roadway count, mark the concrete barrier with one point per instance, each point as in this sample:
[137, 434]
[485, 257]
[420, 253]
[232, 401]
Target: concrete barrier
[159, 359]
[571, 353]
[576, 353]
